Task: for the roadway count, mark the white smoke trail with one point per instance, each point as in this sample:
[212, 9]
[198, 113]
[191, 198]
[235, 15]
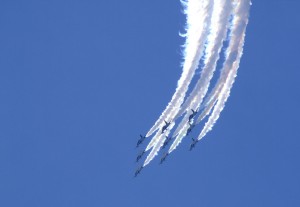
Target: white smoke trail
[207, 20]
[198, 20]
[206, 111]
[157, 145]
[158, 136]
[194, 47]
[219, 25]
[231, 64]
[184, 125]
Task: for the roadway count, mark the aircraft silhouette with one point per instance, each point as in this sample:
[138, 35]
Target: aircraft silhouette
[193, 143]
[140, 140]
[140, 155]
[138, 171]
[163, 158]
[193, 114]
[166, 142]
[167, 124]
[190, 129]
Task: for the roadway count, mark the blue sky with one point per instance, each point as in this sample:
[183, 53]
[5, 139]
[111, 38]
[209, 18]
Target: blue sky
[80, 80]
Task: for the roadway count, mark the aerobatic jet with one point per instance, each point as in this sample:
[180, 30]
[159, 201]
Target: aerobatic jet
[138, 171]
[190, 129]
[193, 143]
[140, 140]
[166, 142]
[167, 124]
[163, 158]
[193, 114]
[140, 155]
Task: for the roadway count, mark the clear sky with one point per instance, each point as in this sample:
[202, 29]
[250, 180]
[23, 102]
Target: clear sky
[80, 80]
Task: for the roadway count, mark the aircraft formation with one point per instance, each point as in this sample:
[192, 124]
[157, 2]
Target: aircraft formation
[166, 141]
[214, 29]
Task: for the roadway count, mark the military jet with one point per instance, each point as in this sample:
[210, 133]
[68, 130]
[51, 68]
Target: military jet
[138, 171]
[140, 155]
[193, 114]
[193, 143]
[140, 140]
[190, 129]
[164, 158]
[167, 124]
[166, 142]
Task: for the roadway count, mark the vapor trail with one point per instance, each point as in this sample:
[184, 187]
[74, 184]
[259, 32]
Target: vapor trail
[219, 26]
[208, 23]
[157, 145]
[198, 20]
[231, 64]
[196, 35]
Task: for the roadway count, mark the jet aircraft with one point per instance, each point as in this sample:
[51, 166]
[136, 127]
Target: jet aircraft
[190, 129]
[138, 171]
[166, 142]
[140, 140]
[164, 158]
[167, 124]
[193, 114]
[193, 143]
[140, 155]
